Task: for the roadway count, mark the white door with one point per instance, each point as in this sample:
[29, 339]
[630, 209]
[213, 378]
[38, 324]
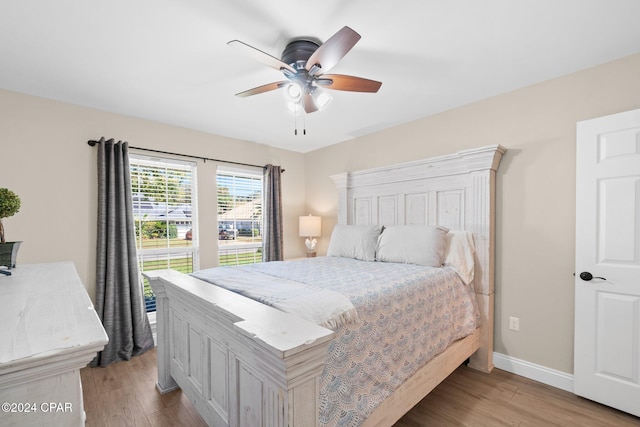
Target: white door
[607, 307]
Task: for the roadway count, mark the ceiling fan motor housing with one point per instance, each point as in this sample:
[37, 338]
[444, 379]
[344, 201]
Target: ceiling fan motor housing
[297, 53]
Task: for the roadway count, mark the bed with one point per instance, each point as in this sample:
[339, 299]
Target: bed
[245, 363]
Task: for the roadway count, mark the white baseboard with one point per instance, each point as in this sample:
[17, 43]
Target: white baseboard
[539, 373]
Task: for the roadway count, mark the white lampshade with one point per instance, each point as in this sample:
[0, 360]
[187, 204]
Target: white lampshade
[309, 226]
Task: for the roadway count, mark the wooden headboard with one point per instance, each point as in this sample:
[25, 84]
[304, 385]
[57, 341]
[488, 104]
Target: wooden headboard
[456, 191]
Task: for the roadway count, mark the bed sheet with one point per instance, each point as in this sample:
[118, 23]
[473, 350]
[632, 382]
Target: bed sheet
[406, 315]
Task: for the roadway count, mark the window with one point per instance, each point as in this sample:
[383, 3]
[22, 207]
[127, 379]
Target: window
[239, 216]
[164, 211]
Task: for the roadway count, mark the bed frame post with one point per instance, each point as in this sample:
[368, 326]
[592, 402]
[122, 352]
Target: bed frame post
[483, 187]
[165, 383]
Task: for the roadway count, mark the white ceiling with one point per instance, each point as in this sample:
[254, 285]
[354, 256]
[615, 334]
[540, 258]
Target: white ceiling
[167, 60]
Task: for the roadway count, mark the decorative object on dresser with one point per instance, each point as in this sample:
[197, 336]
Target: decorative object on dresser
[241, 362]
[310, 227]
[9, 206]
[49, 332]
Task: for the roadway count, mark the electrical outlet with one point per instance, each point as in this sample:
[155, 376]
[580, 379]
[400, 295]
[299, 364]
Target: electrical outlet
[514, 323]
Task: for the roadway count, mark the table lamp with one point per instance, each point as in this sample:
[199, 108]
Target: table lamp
[309, 227]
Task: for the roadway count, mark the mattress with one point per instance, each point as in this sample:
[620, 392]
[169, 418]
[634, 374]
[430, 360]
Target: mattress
[405, 315]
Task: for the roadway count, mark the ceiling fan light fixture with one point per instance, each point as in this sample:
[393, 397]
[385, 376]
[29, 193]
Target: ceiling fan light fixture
[294, 91]
[322, 99]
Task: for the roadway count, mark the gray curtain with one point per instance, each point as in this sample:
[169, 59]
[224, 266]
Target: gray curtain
[119, 300]
[272, 246]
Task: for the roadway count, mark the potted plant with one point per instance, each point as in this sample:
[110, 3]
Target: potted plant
[9, 205]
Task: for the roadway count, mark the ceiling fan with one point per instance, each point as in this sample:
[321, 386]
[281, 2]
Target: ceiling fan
[304, 63]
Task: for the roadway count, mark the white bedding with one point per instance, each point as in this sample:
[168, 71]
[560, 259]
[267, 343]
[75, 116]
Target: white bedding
[321, 306]
[407, 314]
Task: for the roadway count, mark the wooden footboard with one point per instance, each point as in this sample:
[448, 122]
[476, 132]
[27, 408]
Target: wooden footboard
[239, 362]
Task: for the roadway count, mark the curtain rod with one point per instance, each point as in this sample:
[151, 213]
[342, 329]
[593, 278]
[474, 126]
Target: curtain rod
[93, 142]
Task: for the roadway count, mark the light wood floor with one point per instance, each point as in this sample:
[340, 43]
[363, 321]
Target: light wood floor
[124, 394]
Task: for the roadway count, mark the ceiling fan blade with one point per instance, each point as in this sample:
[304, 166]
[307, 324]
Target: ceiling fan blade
[348, 83]
[261, 56]
[332, 51]
[263, 88]
[308, 103]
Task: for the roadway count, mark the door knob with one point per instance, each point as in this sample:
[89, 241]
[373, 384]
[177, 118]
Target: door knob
[586, 276]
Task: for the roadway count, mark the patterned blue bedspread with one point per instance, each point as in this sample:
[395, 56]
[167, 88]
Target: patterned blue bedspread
[407, 315]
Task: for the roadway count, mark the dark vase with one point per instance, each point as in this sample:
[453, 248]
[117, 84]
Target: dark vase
[9, 253]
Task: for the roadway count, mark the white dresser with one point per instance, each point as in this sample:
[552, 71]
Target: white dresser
[48, 331]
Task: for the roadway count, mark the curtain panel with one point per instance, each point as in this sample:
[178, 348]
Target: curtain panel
[272, 239]
[119, 299]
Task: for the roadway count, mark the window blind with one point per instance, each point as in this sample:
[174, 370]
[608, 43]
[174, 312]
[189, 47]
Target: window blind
[165, 215]
[239, 216]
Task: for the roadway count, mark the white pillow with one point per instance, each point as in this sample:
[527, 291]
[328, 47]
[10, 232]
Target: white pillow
[460, 254]
[413, 244]
[354, 241]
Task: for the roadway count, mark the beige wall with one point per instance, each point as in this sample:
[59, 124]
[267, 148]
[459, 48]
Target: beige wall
[535, 187]
[45, 159]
